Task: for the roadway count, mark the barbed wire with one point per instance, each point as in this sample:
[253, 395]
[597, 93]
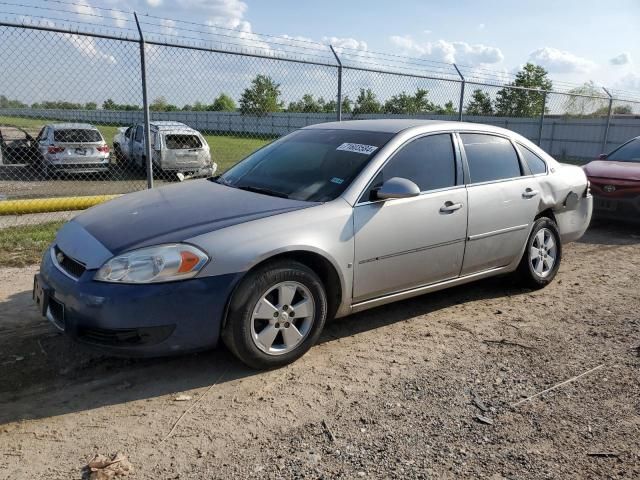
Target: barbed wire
[282, 46]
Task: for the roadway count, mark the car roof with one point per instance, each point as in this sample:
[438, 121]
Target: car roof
[397, 125]
[167, 124]
[64, 126]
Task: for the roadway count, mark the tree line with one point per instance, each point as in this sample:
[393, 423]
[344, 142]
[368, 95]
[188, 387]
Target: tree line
[523, 97]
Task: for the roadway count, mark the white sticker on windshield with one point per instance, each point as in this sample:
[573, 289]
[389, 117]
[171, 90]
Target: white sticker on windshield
[357, 148]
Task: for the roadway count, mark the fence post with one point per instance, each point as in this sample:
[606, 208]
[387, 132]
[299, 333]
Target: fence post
[145, 106]
[605, 137]
[339, 97]
[462, 85]
[544, 106]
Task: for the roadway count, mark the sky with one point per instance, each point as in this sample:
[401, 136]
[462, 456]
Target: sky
[575, 41]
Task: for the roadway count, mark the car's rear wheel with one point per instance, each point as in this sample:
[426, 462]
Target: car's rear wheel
[276, 315]
[541, 259]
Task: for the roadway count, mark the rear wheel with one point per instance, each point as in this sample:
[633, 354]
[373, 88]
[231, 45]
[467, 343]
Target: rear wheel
[276, 315]
[541, 259]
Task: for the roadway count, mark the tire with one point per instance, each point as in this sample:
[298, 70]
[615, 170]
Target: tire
[542, 255]
[254, 333]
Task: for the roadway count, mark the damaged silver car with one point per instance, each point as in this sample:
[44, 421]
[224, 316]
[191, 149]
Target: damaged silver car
[175, 147]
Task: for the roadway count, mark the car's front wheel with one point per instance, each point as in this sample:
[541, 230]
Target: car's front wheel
[276, 315]
[541, 259]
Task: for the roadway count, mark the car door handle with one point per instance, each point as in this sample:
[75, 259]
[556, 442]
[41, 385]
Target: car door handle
[449, 207]
[529, 193]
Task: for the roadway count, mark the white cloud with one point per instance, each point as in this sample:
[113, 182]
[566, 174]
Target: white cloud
[427, 32]
[561, 61]
[153, 3]
[623, 59]
[629, 82]
[481, 26]
[450, 52]
[346, 42]
[168, 26]
[88, 48]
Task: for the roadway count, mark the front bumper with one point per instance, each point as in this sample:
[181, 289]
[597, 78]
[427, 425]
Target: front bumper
[137, 320]
[617, 208]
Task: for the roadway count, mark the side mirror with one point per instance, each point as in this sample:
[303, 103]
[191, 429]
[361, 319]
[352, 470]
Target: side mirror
[397, 187]
[602, 156]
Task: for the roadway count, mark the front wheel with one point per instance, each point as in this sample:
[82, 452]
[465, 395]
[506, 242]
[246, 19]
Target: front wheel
[276, 315]
[541, 259]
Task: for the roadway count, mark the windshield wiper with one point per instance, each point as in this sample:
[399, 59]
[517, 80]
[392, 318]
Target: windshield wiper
[264, 191]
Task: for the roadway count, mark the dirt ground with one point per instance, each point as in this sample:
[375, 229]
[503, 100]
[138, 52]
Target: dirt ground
[395, 392]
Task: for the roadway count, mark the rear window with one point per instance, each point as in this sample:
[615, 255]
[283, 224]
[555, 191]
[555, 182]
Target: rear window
[629, 152]
[182, 141]
[77, 135]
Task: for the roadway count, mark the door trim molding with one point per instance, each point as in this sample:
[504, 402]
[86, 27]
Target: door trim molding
[413, 250]
[414, 292]
[480, 236]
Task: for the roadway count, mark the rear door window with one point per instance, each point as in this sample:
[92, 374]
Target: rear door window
[535, 163]
[490, 157]
[80, 135]
[182, 141]
[139, 134]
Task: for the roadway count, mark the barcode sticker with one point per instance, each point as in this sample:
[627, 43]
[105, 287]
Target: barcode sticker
[357, 148]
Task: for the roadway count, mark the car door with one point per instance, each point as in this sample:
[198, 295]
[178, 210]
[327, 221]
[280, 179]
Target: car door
[404, 243]
[138, 145]
[503, 201]
[125, 148]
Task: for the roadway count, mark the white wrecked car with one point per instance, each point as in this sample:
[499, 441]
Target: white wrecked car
[175, 147]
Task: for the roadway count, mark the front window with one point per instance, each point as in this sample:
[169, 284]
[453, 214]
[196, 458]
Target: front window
[629, 152]
[77, 135]
[315, 165]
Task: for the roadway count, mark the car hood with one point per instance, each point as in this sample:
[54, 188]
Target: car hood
[612, 169]
[176, 213]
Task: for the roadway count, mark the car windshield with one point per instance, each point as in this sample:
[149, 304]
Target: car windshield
[72, 135]
[314, 165]
[629, 152]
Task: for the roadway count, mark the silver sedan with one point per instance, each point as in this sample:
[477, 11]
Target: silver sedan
[332, 219]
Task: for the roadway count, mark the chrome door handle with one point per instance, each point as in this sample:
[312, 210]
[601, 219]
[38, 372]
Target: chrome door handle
[529, 193]
[449, 207]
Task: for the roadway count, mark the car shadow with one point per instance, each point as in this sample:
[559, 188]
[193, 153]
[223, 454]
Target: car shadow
[47, 374]
[611, 232]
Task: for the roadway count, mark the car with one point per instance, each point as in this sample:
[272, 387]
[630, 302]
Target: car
[615, 183]
[17, 146]
[72, 148]
[176, 147]
[329, 220]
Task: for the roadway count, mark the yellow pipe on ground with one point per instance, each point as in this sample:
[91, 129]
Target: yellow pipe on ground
[55, 204]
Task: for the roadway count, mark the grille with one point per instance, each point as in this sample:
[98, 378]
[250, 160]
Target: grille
[68, 264]
[125, 336]
[56, 310]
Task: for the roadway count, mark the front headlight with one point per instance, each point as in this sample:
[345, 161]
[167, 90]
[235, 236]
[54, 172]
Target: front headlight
[163, 263]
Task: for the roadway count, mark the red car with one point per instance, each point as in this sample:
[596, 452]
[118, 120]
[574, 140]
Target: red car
[615, 182]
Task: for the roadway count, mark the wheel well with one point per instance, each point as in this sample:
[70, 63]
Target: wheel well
[547, 213]
[322, 267]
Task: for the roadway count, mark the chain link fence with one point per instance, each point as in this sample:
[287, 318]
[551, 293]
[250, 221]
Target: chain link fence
[74, 118]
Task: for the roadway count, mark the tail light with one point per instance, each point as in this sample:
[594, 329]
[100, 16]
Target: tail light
[103, 149]
[54, 149]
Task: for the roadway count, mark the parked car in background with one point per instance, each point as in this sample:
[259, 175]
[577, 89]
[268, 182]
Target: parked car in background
[72, 148]
[615, 182]
[17, 146]
[329, 220]
[175, 146]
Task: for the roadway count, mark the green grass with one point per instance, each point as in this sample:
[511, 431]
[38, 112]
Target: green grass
[24, 245]
[226, 150]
